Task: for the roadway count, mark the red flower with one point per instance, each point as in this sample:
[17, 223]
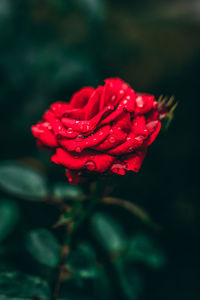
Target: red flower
[104, 130]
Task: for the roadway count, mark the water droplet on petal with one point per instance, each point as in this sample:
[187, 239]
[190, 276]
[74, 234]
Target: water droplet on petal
[94, 139]
[139, 138]
[112, 139]
[77, 122]
[130, 149]
[69, 130]
[139, 101]
[100, 133]
[125, 86]
[128, 138]
[78, 149]
[119, 168]
[59, 127]
[90, 165]
[151, 125]
[87, 127]
[80, 137]
[128, 97]
[113, 98]
[125, 102]
[121, 92]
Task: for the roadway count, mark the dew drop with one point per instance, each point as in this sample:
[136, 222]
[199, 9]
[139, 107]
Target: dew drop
[112, 139]
[128, 138]
[121, 92]
[125, 86]
[119, 169]
[90, 165]
[100, 133]
[130, 149]
[113, 98]
[80, 137]
[94, 139]
[128, 97]
[77, 122]
[59, 127]
[69, 130]
[139, 101]
[151, 125]
[139, 138]
[125, 102]
[78, 149]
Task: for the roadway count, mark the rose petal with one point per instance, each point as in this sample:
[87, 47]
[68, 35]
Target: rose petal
[85, 126]
[117, 135]
[80, 98]
[98, 162]
[92, 107]
[80, 142]
[153, 135]
[60, 131]
[119, 168]
[134, 161]
[144, 103]
[75, 177]
[115, 89]
[134, 139]
[44, 135]
[60, 108]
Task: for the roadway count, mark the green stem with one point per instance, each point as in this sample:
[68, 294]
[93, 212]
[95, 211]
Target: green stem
[70, 229]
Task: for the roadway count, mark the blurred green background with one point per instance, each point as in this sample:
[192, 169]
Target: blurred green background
[51, 48]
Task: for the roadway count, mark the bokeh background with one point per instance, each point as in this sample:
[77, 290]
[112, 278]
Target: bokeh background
[51, 48]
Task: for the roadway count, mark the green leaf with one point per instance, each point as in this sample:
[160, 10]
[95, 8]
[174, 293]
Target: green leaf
[82, 261]
[94, 9]
[75, 289]
[142, 248]
[9, 216]
[108, 232]
[22, 181]
[42, 245]
[15, 285]
[66, 191]
[102, 285]
[129, 280]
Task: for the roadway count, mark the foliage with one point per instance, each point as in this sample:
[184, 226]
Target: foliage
[87, 261]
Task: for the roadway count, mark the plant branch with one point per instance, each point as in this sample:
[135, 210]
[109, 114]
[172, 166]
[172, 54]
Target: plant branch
[132, 208]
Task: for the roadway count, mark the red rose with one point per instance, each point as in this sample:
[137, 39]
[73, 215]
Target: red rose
[104, 130]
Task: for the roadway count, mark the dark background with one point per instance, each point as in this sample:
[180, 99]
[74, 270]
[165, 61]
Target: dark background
[51, 48]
